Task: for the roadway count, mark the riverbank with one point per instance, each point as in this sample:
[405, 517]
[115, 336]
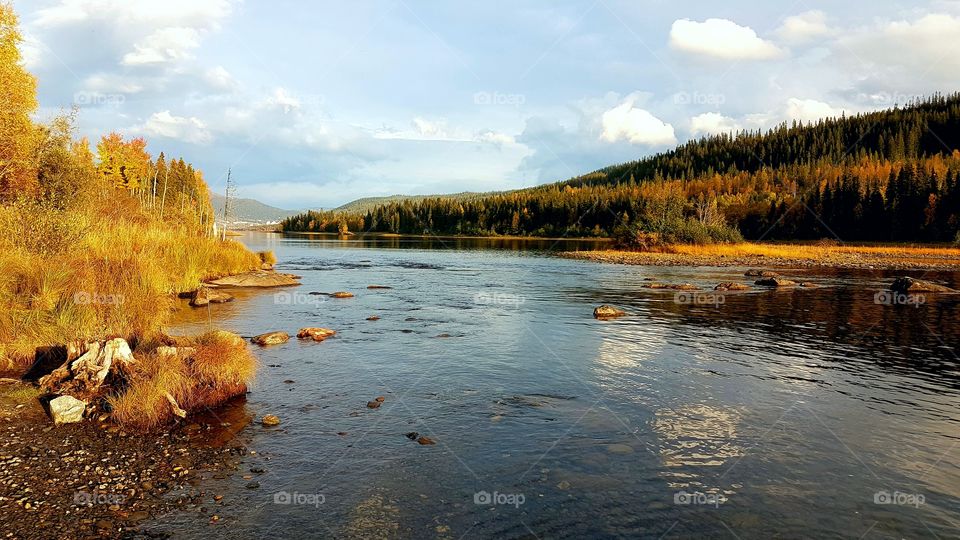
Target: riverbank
[96, 480]
[785, 256]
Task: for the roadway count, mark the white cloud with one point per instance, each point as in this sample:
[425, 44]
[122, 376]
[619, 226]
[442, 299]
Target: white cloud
[162, 46]
[282, 99]
[220, 79]
[164, 124]
[493, 137]
[430, 129]
[721, 38]
[638, 126]
[712, 123]
[804, 27]
[195, 13]
[810, 110]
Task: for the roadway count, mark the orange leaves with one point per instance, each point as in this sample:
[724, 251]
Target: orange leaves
[18, 94]
[126, 164]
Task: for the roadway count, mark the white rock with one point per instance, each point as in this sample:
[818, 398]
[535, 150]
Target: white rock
[67, 410]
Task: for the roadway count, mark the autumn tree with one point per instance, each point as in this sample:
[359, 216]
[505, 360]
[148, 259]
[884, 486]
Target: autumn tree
[18, 100]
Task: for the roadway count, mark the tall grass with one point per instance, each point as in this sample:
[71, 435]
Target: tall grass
[82, 274]
[211, 368]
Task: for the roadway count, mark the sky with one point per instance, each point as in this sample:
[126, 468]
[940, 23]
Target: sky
[314, 104]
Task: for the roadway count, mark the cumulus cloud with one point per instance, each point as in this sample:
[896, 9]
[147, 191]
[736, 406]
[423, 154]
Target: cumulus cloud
[167, 13]
[163, 45]
[721, 38]
[804, 27]
[493, 137]
[638, 126]
[713, 123]
[164, 124]
[810, 110]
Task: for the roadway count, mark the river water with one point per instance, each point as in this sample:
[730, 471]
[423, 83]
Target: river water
[803, 413]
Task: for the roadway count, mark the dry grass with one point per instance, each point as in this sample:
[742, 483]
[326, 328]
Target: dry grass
[814, 251]
[111, 277]
[787, 254]
[219, 368]
[267, 257]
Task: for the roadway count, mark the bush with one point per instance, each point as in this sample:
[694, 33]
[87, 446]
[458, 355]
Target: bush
[267, 257]
[651, 237]
[219, 368]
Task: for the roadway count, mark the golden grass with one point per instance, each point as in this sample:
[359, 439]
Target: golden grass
[219, 368]
[824, 254]
[267, 257]
[110, 277]
[813, 251]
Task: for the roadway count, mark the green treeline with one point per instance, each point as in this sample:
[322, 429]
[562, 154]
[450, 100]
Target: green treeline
[885, 176]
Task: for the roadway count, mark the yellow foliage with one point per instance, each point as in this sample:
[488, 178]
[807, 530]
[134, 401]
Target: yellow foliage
[18, 135]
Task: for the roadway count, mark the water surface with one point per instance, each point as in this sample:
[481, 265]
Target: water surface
[771, 414]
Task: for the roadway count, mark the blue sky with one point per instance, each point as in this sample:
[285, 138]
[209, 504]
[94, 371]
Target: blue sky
[313, 104]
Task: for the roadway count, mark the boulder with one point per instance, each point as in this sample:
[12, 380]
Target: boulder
[373, 318]
[425, 440]
[257, 278]
[270, 420]
[776, 282]
[341, 294]
[67, 410]
[316, 334]
[731, 286]
[205, 295]
[271, 338]
[907, 285]
[674, 287]
[761, 273]
[608, 312]
[374, 404]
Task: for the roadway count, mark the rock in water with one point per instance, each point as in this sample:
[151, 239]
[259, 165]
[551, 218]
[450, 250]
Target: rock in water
[608, 312]
[206, 295]
[373, 404]
[67, 410]
[271, 338]
[906, 285]
[341, 294]
[258, 278]
[425, 440]
[760, 273]
[316, 334]
[776, 282]
[731, 286]
[373, 318]
[375, 287]
[270, 420]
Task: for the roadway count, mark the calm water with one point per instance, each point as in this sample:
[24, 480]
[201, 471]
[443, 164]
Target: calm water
[774, 414]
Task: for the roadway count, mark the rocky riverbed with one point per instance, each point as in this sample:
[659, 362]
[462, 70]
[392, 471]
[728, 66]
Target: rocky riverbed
[95, 480]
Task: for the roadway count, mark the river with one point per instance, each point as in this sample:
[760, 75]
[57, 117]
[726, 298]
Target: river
[802, 413]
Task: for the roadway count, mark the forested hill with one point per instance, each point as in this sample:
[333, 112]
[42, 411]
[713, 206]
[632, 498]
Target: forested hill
[889, 175]
[921, 129]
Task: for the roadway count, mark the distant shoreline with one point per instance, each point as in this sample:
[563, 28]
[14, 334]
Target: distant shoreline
[809, 255]
[448, 236]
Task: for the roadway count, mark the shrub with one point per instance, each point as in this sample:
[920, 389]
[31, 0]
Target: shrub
[220, 367]
[267, 257]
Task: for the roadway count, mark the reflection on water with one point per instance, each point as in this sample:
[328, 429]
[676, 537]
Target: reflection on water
[801, 407]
